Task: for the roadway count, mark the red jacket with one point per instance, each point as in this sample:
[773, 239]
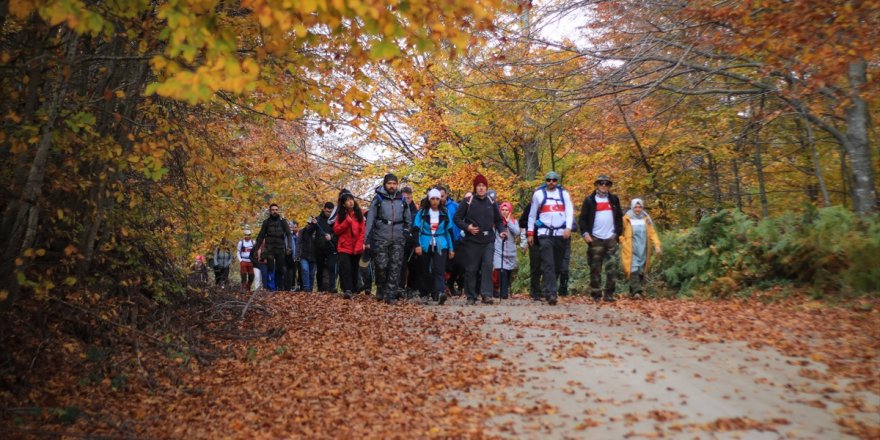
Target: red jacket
[351, 235]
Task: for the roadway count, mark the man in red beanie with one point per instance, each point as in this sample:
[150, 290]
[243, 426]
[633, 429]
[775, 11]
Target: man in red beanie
[480, 218]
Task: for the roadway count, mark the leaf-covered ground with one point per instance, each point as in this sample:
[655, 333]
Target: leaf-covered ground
[317, 366]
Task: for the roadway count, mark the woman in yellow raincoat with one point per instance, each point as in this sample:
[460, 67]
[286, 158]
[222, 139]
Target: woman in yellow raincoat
[638, 240]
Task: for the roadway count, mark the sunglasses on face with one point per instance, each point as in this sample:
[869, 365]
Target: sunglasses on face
[604, 183]
[552, 180]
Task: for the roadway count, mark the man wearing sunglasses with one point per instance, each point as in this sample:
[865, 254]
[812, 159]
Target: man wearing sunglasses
[601, 222]
[550, 218]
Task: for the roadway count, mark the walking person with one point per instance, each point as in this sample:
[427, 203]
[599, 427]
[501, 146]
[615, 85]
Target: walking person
[325, 250]
[388, 227]
[504, 260]
[272, 242]
[481, 220]
[222, 261]
[601, 223]
[307, 265]
[293, 277]
[639, 238]
[410, 276]
[550, 220]
[349, 227]
[434, 245]
[454, 268]
[245, 265]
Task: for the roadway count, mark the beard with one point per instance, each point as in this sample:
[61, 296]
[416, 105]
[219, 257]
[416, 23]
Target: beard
[274, 215]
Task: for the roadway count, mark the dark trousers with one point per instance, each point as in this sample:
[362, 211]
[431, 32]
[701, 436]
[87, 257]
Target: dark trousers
[478, 262]
[535, 271]
[365, 283]
[326, 273]
[388, 261]
[412, 271]
[275, 265]
[433, 267]
[504, 278]
[456, 268]
[221, 276]
[291, 274]
[348, 271]
[563, 273]
[603, 258]
[552, 251]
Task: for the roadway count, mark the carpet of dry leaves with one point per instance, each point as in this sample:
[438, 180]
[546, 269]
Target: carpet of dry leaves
[317, 366]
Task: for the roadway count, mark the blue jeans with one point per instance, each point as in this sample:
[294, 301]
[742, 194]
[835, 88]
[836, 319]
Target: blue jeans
[309, 269]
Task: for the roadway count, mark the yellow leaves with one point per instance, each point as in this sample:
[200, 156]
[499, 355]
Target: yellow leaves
[21, 9]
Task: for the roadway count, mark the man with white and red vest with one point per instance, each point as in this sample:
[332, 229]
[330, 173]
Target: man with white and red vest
[601, 223]
[550, 220]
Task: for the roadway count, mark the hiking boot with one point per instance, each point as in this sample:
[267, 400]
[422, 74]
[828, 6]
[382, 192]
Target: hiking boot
[609, 298]
[435, 296]
[471, 301]
[346, 295]
[552, 300]
[538, 298]
[488, 300]
[441, 299]
[596, 298]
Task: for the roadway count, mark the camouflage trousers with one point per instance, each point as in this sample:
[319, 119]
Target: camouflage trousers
[388, 263]
[603, 258]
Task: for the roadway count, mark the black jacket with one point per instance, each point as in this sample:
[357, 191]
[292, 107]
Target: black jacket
[277, 235]
[322, 245]
[588, 214]
[307, 242]
[481, 212]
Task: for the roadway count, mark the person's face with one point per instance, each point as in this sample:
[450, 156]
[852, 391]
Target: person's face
[482, 189]
[391, 187]
[273, 211]
[435, 202]
[638, 209]
[504, 211]
[327, 211]
[295, 228]
[443, 196]
[349, 203]
[551, 184]
[603, 186]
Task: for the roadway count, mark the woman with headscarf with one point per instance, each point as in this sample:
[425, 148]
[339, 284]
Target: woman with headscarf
[636, 243]
[504, 260]
[349, 227]
[433, 245]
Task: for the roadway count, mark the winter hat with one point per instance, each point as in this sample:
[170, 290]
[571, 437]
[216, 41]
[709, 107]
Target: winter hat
[480, 179]
[200, 258]
[508, 206]
[329, 205]
[552, 175]
[634, 202]
[389, 178]
[434, 193]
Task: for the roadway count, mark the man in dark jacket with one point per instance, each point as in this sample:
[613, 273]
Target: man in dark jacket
[389, 221]
[601, 223]
[480, 218]
[307, 255]
[276, 233]
[409, 279]
[325, 251]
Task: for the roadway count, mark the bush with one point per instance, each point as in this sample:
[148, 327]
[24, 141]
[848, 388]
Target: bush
[831, 249]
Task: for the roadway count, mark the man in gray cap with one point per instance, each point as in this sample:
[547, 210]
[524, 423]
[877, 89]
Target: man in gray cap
[550, 219]
[601, 223]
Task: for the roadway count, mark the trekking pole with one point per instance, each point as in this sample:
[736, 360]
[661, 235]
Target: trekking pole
[501, 275]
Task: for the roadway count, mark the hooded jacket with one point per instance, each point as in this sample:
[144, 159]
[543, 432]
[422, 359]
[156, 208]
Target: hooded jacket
[276, 233]
[350, 233]
[388, 218]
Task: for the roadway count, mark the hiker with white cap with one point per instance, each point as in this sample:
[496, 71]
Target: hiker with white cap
[550, 220]
[434, 245]
[639, 238]
[243, 255]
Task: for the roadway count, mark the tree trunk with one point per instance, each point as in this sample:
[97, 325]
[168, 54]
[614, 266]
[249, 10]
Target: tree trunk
[817, 165]
[861, 165]
[759, 165]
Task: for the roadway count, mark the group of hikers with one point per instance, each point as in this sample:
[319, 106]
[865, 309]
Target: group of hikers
[441, 247]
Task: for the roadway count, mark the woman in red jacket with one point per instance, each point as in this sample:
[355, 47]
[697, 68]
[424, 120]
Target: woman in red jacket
[349, 227]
